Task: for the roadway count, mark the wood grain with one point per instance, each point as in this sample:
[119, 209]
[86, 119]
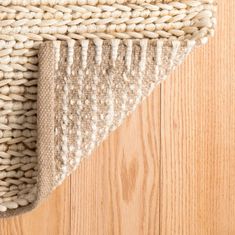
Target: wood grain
[198, 139]
[169, 169]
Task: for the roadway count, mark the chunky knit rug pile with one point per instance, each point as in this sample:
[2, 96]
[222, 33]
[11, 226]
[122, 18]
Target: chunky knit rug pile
[71, 71]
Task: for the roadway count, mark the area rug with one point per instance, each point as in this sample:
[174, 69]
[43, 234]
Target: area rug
[71, 71]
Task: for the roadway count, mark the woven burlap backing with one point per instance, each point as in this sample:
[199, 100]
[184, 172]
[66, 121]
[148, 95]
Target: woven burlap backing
[60, 90]
[45, 120]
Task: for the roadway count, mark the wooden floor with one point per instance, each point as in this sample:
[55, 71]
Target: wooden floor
[170, 168]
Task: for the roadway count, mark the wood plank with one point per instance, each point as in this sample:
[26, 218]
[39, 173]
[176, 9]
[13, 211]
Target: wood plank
[117, 190]
[198, 138]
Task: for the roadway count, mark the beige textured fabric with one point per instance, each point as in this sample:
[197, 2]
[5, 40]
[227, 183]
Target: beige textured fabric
[97, 60]
[45, 119]
[96, 85]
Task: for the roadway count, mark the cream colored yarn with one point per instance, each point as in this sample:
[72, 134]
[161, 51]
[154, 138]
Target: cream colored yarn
[170, 28]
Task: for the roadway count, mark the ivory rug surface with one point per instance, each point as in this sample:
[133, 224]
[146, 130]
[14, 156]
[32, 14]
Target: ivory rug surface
[70, 73]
